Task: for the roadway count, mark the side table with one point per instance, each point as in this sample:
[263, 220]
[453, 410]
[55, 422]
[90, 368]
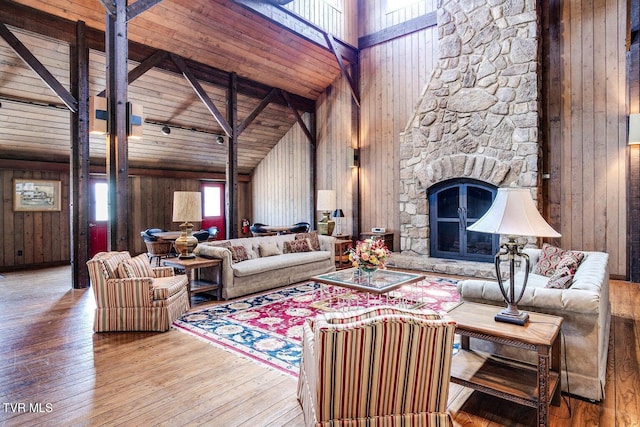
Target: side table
[342, 246]
[535, 386]
[190, 266]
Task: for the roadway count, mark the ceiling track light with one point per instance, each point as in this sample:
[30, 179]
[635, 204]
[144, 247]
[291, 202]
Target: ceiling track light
[220, 139]
[166, 130]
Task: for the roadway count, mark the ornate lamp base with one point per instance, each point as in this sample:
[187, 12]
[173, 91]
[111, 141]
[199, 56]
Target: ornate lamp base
[520, 318]
[326, 225]
[186, 243]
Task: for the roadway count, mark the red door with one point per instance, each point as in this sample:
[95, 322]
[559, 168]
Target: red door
[99, 207]
[213, 207]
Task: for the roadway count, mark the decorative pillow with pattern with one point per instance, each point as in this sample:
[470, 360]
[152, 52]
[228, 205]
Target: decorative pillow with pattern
[550, 257]
[136, 267]
[566, 269]
[313, 238]
[269, 249]
[297, 245]
[239, 253]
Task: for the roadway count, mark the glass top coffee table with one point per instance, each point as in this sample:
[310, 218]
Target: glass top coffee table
[351, 289]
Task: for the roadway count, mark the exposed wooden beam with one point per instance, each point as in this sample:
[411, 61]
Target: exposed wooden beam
[306, 131]
[140, 6]
[298, 26]
[232, 160]
[399, 30]
[117, 144]
[251, 117]
[355, 93]
[79, 193]
[109, 5]
[144, 66]
[202, 94]
[63, 29]
[23, 52]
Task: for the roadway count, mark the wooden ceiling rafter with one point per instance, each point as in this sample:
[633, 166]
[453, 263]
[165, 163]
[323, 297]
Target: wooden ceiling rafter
[140, 6]
[25, 54]
[202, 94]
[298, 117]
[144, 66]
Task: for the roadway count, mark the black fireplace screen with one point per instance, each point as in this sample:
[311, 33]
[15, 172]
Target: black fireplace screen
[453, 206]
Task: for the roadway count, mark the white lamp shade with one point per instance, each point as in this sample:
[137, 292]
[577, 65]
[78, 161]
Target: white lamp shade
[513, 213]
[634, 129]
[326, 200]
[187, 206]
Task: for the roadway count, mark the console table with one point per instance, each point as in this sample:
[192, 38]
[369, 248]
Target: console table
[535, 386]
[195, 285]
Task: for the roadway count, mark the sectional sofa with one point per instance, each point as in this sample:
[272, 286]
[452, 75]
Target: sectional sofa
[257, 264]
[586, 311]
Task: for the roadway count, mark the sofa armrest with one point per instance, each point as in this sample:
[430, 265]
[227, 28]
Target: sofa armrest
[125, 293]
[327, 243]
[163, 271]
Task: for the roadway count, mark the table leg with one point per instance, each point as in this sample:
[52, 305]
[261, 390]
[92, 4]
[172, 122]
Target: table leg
[543, 384]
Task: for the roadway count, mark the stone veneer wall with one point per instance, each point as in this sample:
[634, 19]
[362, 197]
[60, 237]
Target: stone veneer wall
[478, 116]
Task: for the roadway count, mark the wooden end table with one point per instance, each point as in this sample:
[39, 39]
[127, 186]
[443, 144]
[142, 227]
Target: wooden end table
[196, 285]
[534, 386]
[342, 246]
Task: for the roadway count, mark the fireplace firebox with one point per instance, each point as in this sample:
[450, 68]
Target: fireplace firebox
[453, 206]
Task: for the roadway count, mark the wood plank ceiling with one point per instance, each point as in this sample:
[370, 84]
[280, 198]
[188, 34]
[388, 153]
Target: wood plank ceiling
[218, 33]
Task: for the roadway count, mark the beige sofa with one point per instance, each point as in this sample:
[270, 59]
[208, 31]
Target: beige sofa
[260, 273]
[584, 307]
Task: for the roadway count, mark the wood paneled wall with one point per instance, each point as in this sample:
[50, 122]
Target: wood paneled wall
[42, 237]
[282, 181]
[393, 77]
[336, 135]
[584, 85]
[337, 17]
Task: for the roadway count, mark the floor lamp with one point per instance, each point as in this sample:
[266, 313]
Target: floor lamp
[513, 214]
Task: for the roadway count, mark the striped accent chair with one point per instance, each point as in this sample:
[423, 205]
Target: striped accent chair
[382, 366]
[132, 296]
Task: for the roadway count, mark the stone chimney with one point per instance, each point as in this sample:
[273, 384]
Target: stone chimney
[478, 116]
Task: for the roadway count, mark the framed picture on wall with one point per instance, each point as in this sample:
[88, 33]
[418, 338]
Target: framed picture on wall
[36, 195]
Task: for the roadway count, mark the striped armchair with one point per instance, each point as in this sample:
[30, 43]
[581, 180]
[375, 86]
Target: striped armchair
[132, 296]
[381, 366]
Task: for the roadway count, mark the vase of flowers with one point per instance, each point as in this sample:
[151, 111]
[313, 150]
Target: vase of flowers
[368, 256]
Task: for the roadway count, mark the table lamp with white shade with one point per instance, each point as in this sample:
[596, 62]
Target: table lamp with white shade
[513, 214]
[326, 204]
[187, 208]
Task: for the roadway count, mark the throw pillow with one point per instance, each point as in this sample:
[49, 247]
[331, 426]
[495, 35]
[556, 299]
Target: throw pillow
[297, 245]
[136, 267]
[549, 259]
[268, 249]
[566, 269]
[313, 237]
[239, 253]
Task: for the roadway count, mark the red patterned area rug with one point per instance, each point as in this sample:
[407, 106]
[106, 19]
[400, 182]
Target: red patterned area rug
[268, 327]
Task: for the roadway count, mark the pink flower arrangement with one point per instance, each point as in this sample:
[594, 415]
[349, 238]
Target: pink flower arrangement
[369, 254]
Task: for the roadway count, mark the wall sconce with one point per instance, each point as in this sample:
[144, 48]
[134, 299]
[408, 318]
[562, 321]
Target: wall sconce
[353, 157]
[634, 129]
[98, 117]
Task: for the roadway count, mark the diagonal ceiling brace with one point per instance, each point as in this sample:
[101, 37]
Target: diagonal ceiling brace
[354, 90]
[144, 66]
[37, 66]
[197, 87]
[263, 104]
[140, 6]
[110, 6]
[312, 140]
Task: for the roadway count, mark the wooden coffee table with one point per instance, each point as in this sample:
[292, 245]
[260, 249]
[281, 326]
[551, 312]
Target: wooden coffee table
[195, 284]
[536, 385]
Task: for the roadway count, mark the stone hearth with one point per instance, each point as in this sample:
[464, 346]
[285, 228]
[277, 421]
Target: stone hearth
[478, 116]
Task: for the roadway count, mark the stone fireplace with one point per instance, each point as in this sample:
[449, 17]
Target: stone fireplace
[478, 116]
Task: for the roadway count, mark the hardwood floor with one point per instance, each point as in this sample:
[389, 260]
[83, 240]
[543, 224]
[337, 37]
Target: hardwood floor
[56, 371]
